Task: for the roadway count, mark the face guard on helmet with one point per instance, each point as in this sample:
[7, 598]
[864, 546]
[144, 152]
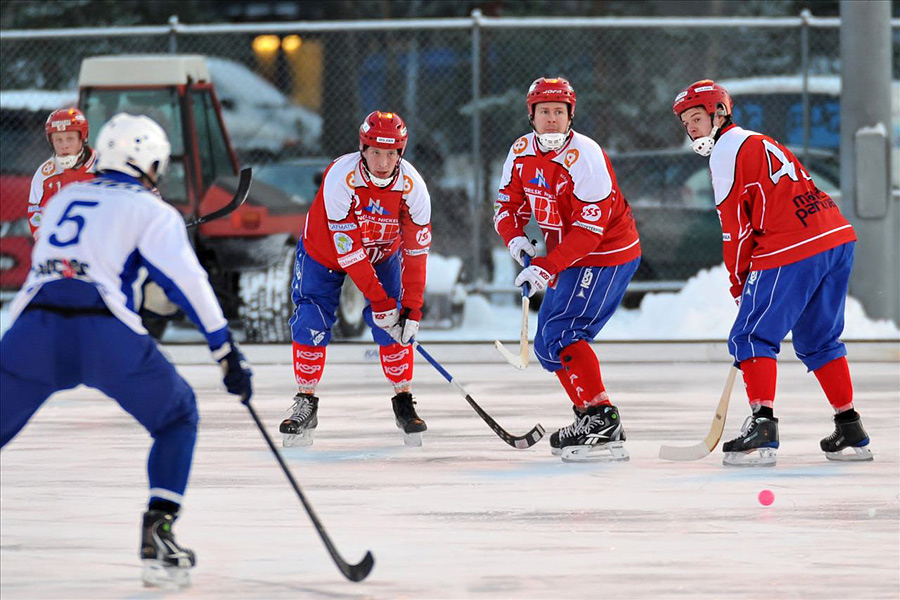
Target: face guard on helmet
[713, 98]
[67, 119]
[134, 145]
[551, 90]
[386, 131]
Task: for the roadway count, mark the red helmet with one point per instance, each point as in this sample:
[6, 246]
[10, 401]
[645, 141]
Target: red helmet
[550, 90]
[66, 119]
[383, 130]
[705, 93]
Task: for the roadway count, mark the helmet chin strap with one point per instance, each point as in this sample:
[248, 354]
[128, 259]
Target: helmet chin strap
[551, 141]
[704, 145]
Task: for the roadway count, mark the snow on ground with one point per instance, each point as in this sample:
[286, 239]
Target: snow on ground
[464, 516]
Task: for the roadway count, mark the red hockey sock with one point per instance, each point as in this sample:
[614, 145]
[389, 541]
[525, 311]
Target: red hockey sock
[309, 363]
[760, 374]
[835, 380]
[582, 369]
[397, 364]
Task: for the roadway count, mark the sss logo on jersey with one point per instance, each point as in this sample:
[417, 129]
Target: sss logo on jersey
[343, 243]
[591, 213]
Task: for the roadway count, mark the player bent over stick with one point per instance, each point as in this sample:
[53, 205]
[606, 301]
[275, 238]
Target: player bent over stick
[73, 321]
[789, 253]
[371, 207]
[566, 181]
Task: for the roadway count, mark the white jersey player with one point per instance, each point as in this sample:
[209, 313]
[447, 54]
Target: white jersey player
[74, 322]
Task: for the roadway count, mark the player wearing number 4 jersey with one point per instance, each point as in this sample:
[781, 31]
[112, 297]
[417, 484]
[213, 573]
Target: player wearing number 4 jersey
[789, 253]
[566, 181]
[74, 323]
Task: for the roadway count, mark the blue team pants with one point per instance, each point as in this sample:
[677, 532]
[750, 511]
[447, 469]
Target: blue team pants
[578, 307]
[806, 297]
[44, 352]
[316, 292]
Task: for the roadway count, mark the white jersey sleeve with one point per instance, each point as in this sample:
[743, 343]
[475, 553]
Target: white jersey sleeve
[103, 232]
[415, 194]
[337, 188]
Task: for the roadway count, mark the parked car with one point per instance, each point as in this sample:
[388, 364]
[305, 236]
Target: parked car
[670, 193]
[262, 122]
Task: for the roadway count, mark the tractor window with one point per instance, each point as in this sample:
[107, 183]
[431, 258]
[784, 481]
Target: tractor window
[161, 105]
[215, 161]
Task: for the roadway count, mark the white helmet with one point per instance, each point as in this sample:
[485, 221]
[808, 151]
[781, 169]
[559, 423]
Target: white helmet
[133, 145]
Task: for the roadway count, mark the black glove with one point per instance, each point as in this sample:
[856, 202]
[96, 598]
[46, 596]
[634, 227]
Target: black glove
[235, 370]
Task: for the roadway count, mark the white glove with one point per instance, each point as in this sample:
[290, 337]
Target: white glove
[537, 279]
[386, 319]
[406, 328]
[519, 247]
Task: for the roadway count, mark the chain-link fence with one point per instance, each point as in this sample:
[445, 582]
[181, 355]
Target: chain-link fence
[299, 90]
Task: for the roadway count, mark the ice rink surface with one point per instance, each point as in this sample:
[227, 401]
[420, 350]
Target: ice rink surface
[464, 516]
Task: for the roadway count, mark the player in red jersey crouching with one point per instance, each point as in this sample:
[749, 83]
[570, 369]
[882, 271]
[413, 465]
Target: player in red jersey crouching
[371, 207]
[789, 253]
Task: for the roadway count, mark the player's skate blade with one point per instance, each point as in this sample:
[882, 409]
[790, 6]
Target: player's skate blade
[156, 574]
[412, 439]
[611, 452]
[859, 454]
[296, 440]
[761, 457]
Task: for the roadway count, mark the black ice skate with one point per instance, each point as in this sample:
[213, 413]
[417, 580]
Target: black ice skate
[596, 435]
[848, 433]
[165, 563]
[756, 444]
[407, 419]
[299, 429]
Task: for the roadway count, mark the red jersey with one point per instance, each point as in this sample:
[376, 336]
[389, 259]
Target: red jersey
[772, 213]
[354, 225]
[574, 197]
[49, 179]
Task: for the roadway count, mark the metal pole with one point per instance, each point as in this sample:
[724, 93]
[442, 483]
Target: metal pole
[173, 34]
[805, 14]
[412, 91]
[476, 197]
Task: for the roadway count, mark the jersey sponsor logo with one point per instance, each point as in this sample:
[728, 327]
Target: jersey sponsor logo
[571, 157]
[407, 184]
[520, 145]
[343, 243]
[501, 197]
[341, 226]
[35, 219]
[68, 268]
[48, 168]
[415, 251]
[591, 213]
[539, 179]
[351, 182]
[423, 236]
[594, 228]
[376, 208]
[726, 237]
[545, 211]
[811, 203]
[561, 185]
[348, 259]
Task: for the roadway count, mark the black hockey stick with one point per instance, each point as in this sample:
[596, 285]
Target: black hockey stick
[525, 441]
[239, 197]
[356, 572]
